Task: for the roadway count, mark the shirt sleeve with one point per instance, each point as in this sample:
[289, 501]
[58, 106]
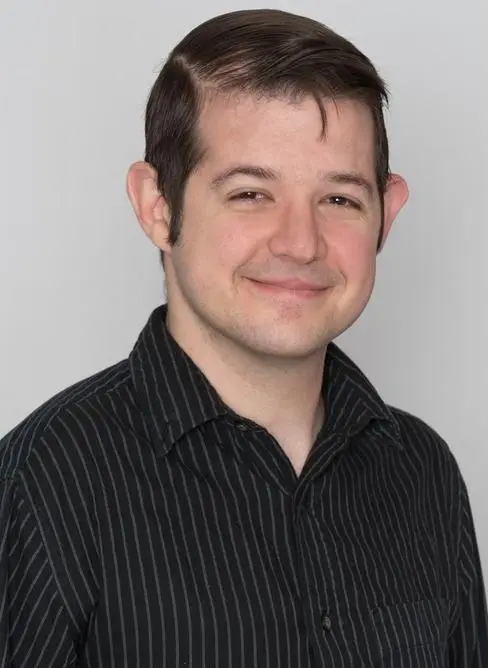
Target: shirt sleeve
[34, 626]
[468, 642]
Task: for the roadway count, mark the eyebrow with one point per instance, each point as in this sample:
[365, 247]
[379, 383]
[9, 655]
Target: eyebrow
[268, 174]
[351, 178]
[257, 172]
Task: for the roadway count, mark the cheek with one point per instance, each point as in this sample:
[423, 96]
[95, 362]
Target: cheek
[213, 252]
[230, 246]
[354, 253]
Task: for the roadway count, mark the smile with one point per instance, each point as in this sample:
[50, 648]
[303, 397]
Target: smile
[291, 287]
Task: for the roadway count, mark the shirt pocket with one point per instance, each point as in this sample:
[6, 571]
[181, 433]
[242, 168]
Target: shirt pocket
[411, 634]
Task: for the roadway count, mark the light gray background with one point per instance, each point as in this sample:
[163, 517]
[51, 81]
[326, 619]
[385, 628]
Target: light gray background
[78, 278]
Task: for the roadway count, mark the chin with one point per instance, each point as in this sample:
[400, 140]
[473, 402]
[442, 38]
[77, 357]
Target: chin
[289, 352]
[285, 345]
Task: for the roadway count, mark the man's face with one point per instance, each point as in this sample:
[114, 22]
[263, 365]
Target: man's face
[280, 226]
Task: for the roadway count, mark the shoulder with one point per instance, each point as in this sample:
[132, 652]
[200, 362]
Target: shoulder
[64, 417]
[426, 450]
[417, 434]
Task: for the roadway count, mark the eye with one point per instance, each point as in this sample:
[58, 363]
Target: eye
[343, 201]
[248, 196]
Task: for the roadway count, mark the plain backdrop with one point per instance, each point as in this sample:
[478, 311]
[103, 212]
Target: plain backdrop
[78, 279]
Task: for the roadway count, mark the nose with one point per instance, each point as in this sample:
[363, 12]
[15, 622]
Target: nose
[297, 235]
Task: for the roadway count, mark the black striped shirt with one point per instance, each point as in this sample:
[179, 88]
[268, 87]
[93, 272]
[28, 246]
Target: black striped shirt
[143, 523]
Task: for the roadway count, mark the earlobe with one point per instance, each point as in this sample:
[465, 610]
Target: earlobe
[148, 203]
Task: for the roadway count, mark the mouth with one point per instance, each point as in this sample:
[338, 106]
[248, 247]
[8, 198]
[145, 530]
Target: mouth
[293, 288]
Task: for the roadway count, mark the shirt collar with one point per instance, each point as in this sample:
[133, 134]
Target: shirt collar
[176, 397]
[174, 394]
[351, 401]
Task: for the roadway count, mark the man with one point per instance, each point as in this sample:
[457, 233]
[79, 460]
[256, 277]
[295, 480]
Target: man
[236, 493]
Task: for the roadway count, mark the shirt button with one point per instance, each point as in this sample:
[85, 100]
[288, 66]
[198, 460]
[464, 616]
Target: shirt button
[326, 622]
[241, 426]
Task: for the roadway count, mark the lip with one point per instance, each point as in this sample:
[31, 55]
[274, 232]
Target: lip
[291, 286]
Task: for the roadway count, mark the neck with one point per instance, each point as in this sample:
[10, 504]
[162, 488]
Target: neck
[282, 395]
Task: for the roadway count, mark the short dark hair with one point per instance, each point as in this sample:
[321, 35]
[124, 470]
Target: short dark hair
[264, 52]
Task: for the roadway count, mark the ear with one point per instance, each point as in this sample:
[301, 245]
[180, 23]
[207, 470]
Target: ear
[394, 198]
[149, 205]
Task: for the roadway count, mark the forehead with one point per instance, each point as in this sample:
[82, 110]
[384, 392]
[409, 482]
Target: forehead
[241, 128]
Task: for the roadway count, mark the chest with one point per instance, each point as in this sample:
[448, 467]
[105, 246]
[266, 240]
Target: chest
[228, 570]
